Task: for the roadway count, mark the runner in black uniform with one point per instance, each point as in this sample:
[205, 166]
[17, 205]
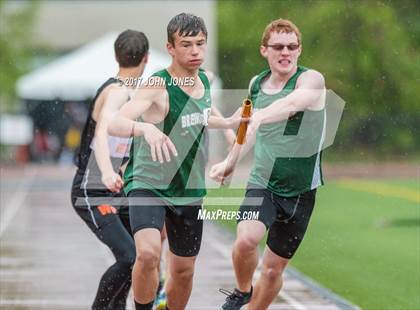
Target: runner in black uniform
[100, 208]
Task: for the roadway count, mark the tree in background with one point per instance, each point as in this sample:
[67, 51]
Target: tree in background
[368, 52]
[16, 19]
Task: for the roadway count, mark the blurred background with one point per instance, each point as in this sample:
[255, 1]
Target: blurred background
[54, 56]
[368, 52]
[364, 239]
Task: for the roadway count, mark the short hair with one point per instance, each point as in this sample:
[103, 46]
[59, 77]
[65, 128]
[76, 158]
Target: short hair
[186, 25]
[130, 48]
[280, 25]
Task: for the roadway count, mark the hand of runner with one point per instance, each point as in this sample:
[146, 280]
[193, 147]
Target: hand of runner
[236, 118]
[160, 144]
[112, 181]
[219, 172]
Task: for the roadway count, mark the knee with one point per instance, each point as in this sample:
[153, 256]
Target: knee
[126, 263]
[272, 273]
[126, 257]
[246, 243]
[147, 258]
[273, 270]
[128, 260]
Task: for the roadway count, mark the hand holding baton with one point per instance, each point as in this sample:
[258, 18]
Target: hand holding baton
[221, 171]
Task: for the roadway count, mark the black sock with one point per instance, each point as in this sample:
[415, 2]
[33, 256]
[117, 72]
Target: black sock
[246, 293]
[148, 306]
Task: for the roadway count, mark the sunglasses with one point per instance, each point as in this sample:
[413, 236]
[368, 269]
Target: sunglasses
[280, 47]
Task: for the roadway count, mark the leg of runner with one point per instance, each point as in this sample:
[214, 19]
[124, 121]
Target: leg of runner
[160, 301]
[245, 249]
[184, 231]
[180, 281]
[245, 261]
[147, 217]
[284, 238]
[107, 226]
[270, 281]
[115, 282]
[121, 299]
[146, 267]
[245, 252]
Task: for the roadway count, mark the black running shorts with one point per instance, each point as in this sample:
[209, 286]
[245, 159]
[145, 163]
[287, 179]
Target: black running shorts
[183, 227]
[286, 218]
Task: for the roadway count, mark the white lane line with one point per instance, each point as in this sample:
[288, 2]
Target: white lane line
[226, 253]
[17, 200]
[293, 302]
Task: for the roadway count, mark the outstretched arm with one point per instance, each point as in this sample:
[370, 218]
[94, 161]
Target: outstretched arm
[124, 123]
[216, 120]
[228, 133]
[219, 172]
[309, 93]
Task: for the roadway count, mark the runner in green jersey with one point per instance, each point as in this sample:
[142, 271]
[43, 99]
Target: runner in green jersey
[287, 128]
[164, 179]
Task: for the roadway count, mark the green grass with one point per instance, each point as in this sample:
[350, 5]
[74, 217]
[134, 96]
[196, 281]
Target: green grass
[363, 246]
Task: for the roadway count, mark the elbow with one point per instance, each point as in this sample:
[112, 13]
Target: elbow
[112, 132]
[112, 129]
[295, 107]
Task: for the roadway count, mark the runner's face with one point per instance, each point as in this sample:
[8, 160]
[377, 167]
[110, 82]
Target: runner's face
[282, 52]
[189, 52]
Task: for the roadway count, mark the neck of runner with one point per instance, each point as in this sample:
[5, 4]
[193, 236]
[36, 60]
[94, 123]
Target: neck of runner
[178, 71]
[129, 73]
[277, 80]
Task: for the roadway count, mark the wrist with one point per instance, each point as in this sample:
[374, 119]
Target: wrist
[226, 122]
[139, 128]
[107, 173]
[229, 123]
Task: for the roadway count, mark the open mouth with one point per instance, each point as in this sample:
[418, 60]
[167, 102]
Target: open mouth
[284, 62]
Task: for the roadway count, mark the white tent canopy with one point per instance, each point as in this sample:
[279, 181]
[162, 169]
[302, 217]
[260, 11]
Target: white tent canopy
[77, 75]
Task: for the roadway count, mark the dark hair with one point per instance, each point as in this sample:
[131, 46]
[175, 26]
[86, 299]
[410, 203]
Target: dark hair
[186, 25]
[130, 48]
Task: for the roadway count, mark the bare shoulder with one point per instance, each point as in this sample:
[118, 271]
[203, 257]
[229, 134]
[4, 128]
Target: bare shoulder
[111, 98]
[112, 89]
[311, 78]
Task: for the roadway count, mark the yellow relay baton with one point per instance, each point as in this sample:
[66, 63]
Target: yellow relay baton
[240, 140]
[246, 113]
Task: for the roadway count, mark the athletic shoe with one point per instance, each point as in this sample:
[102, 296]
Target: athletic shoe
[236, 299]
